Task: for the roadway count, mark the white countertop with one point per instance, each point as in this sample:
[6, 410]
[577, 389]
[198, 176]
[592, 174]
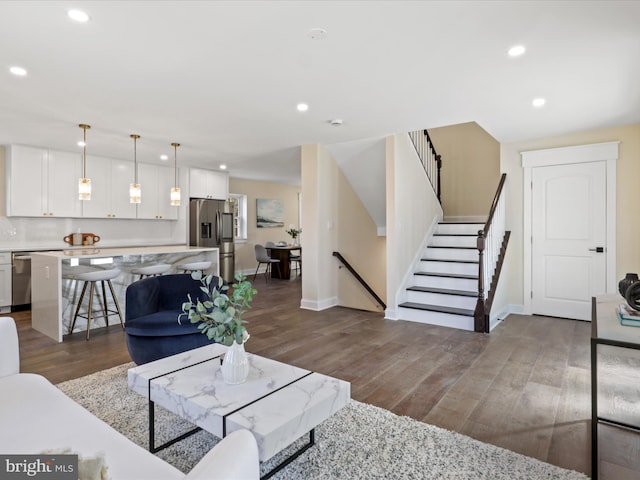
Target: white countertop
[67, 247]
[88, 252]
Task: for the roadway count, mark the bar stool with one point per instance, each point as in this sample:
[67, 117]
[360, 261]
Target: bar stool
[151, 270]
[91, 278]
[194, 266]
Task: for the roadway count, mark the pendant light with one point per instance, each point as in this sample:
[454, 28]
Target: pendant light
[135, 191]
[175, 191]
[84, 185]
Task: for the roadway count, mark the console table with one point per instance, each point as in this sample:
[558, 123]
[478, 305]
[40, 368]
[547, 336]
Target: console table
[608, 333]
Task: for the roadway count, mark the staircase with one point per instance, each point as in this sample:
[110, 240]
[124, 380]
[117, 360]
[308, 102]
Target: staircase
[444, 288]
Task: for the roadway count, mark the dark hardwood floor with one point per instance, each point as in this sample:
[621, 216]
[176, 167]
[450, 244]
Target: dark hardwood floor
[524, 387]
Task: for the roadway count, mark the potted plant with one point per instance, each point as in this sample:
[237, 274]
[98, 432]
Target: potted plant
[294, 232]
[219, 317]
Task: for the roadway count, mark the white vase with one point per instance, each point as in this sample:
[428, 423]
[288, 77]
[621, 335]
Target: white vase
[235, 366]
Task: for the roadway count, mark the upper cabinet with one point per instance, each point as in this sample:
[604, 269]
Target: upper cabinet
[42, 182]
[110, 179]
[156, 182]
[208, 184]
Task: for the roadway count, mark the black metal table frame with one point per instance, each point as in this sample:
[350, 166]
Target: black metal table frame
[595, 418]
[273, 471]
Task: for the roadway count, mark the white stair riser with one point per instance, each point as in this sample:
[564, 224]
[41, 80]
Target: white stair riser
[459, 228]
[429, 298]
[451, 254]
[448, 267]
[436, 318]
[454, 241]
[445, 282]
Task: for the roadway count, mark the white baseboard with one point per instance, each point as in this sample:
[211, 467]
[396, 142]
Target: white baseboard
[319, 305]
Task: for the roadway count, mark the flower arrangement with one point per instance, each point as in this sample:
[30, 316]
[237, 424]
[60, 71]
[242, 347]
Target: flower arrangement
[293, 231]
[220, 317]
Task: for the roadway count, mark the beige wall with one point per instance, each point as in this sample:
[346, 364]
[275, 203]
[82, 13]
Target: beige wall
[336, 220]
[470, 168]
[359, 244]
[245, 255]
[318, 170]
[627, 198]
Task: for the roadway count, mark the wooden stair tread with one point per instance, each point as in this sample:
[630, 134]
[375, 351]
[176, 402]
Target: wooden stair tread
[446, 291]
[438, 308]
[455, 234]
[455, 247]
[447, 260]
[448, 275]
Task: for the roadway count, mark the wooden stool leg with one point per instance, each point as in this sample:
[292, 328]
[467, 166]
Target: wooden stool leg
[105, 307]
[115, 300]
[90, 308]
[75, 316]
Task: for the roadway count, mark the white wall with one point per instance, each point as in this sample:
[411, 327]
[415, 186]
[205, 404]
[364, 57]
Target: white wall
[412, 211]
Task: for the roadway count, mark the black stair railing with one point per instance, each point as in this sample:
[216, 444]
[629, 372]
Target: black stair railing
[492, 245]
[431, 161]
[359, 278]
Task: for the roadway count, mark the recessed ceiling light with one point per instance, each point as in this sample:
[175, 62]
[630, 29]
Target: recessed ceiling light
[19, 71]
[78, 15]
[538, 102]
[164, 157]
[336, 122]
[81, 143]
[223, 167]
[302, 107]
[516, 50]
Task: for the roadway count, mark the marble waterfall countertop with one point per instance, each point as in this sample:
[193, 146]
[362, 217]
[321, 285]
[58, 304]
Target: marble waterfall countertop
[94, 251]
[54, 291]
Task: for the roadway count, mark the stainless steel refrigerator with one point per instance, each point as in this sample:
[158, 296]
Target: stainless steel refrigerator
[211, 225]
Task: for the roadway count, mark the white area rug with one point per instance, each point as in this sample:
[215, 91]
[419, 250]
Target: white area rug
[360, 442]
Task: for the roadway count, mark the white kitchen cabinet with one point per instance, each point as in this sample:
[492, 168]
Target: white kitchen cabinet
[110, 179]
[43, 182]
[208, 184]
[156, 182]
[5, 282]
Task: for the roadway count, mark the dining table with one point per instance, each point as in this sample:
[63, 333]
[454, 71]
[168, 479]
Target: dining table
[283, 253]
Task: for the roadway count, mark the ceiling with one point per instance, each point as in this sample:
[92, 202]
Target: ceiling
[223, 78]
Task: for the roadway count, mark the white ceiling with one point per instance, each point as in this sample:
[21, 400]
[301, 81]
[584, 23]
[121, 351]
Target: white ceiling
[223, 78]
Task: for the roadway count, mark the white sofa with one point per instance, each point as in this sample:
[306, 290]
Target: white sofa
[35, 416]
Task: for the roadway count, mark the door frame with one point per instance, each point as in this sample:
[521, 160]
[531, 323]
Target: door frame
[597, 152]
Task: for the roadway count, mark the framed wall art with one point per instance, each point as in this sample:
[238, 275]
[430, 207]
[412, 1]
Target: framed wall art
[269, 213]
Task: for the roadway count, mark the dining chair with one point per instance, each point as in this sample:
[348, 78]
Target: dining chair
[263, 257]
[269, 246]
[296, 259]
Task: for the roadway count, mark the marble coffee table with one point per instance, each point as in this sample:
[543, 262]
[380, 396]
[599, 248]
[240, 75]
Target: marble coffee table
[278, 403]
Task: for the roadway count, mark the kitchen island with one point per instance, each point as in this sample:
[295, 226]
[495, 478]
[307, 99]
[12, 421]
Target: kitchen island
[55, 292]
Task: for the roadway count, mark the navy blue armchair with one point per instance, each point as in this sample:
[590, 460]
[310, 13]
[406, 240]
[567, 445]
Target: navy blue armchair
[151, 317]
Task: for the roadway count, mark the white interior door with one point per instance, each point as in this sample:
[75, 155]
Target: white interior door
[569, 233]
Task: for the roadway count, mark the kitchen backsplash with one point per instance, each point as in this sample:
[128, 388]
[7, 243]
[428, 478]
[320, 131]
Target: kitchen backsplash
[21, 233]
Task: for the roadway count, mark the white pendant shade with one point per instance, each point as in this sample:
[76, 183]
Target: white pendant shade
[175, 191]
[135, 193]
[84, 189]
[135, 190]
[84, 184]
[175, 197]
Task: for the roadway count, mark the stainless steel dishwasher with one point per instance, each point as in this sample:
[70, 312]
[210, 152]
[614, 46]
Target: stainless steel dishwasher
[20, 281]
